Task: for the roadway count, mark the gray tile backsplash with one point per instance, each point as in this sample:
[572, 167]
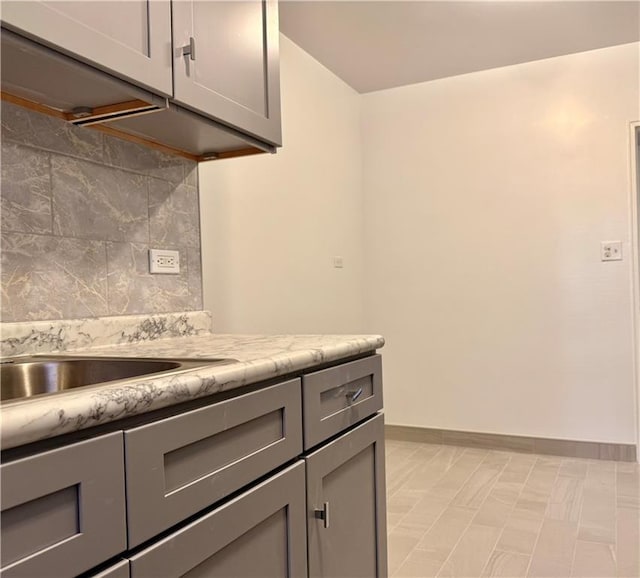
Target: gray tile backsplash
[79, 211]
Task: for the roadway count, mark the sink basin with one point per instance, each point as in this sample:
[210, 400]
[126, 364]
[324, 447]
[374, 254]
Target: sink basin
[30, 376]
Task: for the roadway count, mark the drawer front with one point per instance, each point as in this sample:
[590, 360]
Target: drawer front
[63, 511]
[259, 533]
[338, 397]
[118, 570]
[179, 466]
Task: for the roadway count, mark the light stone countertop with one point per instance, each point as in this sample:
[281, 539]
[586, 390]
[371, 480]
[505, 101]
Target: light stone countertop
[260, 357]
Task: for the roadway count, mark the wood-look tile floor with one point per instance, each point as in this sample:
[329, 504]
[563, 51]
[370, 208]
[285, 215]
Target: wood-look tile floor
[462, 512]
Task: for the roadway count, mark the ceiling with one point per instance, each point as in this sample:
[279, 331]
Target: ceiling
[373, 45]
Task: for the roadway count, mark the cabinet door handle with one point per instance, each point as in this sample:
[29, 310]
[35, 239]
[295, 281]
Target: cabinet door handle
[323, 514]
[353, 395]
[190, 49]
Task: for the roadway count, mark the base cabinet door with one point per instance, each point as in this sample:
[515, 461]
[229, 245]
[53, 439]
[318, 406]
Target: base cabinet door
[346, 512]
[63, 510]
[258, 534]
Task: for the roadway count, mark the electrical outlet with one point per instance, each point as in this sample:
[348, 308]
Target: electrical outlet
[611, 250]
[338, 262]
[164, 262]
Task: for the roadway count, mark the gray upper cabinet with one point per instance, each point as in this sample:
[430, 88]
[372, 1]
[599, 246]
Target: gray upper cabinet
[131, 40]
[226, 63]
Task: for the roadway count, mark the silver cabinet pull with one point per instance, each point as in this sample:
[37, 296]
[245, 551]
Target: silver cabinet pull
[353, 395]
[323, 514]
[190, 49]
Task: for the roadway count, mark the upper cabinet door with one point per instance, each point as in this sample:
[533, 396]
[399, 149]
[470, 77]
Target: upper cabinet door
[226, 63]
[129, 39]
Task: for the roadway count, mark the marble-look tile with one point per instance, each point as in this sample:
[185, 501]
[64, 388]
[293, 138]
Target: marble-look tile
[173, 214]
[72, 334]
[194, 277]
[132, 289]
[25, 189]
[49, 133]
[145, 160]
[191, 173]
[46, 277]
[96, 202]
[506, 564]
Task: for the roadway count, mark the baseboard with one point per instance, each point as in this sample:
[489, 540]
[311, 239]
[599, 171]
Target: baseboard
[524, 444]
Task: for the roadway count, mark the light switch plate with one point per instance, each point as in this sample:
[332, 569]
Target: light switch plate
[611, 250]
[164, 262]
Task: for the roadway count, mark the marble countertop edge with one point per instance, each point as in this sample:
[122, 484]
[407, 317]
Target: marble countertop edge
[259, 358]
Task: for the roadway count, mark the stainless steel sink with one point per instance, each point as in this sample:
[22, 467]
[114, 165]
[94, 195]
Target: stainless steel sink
[30, 376]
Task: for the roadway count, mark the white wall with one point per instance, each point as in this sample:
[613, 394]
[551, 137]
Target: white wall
[272, 223]
[487, 197]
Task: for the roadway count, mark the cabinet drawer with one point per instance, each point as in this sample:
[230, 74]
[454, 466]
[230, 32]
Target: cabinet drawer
[260, 533]
[180, 465]
[117, 570]
[338, 397]
[63, 510]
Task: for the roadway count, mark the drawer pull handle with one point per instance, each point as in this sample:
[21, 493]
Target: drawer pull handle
[190, 49]
[353, 395]
[323, 514]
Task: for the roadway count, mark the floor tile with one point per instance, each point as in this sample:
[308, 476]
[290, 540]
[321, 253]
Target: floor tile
[628, 542]
[441, 539]
[471, 554]
[418, 565]
[593, 559]
[470, 512]
[506, 564]
[400, 542]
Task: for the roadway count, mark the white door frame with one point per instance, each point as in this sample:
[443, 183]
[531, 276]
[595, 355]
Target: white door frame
[634, 200]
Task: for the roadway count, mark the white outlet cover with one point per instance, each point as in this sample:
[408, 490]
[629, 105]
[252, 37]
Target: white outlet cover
[164, 262]
[611, 250]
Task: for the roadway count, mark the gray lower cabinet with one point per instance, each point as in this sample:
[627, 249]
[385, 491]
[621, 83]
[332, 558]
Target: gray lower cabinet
[63, 510]
[223, 490]
[181, 465]
[338, 397]
[118, 570]
[259, 534]
[346, 513]
[128, 39]
[230, 71]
